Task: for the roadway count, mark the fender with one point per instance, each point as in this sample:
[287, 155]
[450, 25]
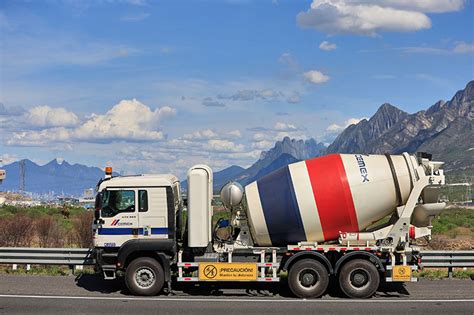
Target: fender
[371, 257]
[309, 254]
[153, 245]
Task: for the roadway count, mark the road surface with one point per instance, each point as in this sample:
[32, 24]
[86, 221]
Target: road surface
[22, 294]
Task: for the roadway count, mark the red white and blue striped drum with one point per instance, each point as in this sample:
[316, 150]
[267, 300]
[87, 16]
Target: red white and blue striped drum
[315, 200]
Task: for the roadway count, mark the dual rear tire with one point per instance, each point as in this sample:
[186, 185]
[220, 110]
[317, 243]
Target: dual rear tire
[358, 278]
[308, 278]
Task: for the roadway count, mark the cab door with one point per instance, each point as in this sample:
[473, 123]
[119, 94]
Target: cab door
[119, 217]
[153, 213]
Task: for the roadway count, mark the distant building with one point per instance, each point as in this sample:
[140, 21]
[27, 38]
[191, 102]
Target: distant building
[88, 198]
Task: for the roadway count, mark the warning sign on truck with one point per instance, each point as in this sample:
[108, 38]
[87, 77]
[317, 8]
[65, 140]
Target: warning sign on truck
[401, 273]
[227, 271]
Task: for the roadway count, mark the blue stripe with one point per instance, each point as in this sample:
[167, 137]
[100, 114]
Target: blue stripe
[280, 208]
[159, 230]
[129, 231]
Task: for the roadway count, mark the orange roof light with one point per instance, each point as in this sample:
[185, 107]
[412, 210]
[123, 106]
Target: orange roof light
[108, 170]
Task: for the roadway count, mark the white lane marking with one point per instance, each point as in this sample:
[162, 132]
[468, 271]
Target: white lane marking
[59, 297]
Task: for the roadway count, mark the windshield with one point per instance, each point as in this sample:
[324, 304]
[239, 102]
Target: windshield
[116, 201]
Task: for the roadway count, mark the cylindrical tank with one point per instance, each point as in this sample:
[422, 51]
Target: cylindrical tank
[200, 193]
[232, 194]
[315, 200]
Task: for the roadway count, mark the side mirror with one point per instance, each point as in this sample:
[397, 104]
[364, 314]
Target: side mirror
[98, 206]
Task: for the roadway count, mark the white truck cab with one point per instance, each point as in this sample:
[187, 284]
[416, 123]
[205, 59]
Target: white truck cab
[134, 217]
[136, 208]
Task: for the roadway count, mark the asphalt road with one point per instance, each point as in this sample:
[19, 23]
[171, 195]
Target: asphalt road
[22, 294]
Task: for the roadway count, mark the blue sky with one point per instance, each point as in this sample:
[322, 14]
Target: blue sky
[155, 86]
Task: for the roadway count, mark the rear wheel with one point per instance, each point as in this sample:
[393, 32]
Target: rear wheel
[308, 278]
[144, 276]
[359, 278]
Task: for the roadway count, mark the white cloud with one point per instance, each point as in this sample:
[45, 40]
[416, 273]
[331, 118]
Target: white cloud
[220, 145]
[460, 47]
[325, 45]
[128, 120]
[45, 116]
[259, 136]
[315, 77]
[368, 17]
[6, 159]
[464, 48]
[205, 134]
[235, 133]
[40, 137]
[263, 145]
[281, 126]
[335, 128]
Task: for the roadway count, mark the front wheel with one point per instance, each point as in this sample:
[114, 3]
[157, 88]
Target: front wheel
[144, 276]
[308, 278]
[359, 278]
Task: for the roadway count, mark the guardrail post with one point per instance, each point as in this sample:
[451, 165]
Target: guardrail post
[450, 272]
[14, 267]
[28, 267]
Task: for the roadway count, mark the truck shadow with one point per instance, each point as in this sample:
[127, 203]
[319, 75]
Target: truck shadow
[95, 283]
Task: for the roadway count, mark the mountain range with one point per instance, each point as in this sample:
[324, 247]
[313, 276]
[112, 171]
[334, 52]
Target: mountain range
[445, 129]
[56, 177]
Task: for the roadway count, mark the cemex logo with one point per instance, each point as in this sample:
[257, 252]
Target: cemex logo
[115, 222]
[362, 168]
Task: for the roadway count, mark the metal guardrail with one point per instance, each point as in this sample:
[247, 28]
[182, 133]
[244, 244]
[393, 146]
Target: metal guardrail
[447, 259]
[83, 256]
[46, 256]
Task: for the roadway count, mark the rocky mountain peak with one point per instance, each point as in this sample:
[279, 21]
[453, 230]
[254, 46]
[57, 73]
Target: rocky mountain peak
[463, 101]
[387, 113]
[436, 107]
[444, 129]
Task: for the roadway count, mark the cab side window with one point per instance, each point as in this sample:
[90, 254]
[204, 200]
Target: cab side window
[142, 201]
[117, 201]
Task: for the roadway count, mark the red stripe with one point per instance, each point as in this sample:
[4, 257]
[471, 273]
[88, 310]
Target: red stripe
[333, 195]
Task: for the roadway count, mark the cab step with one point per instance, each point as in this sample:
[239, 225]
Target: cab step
[109, 272]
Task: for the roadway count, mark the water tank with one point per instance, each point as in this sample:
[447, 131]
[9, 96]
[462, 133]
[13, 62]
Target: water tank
[314, 200]
[199, 206]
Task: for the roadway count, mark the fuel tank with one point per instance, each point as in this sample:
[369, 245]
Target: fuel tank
[316, 199]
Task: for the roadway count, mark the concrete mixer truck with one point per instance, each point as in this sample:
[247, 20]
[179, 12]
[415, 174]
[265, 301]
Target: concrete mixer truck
[349, 218]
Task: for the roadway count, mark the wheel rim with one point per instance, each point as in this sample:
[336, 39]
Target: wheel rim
[308, 278]
[145, 277]
[359, 278]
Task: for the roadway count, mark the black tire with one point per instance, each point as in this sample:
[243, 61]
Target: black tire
[308, 278]
[359, 278]
[144, 276]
